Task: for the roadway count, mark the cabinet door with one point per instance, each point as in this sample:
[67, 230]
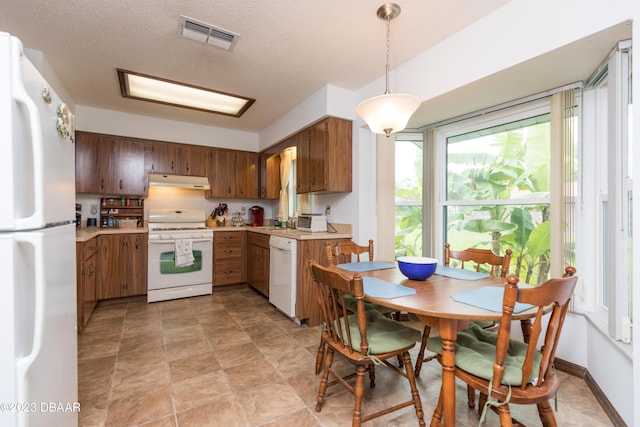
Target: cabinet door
[135, 250]
[304, 166]
[270, 178]
[93, 163]
[258, 262]
[112, 269]
[89, 287]
[247, 172]
[195, 160]
[317, 161]
[127, 167]
[306, 303]
[220, 179]
[165, 158]
[338, 157]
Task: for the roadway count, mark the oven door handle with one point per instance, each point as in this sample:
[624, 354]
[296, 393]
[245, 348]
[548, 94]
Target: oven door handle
[163, 242]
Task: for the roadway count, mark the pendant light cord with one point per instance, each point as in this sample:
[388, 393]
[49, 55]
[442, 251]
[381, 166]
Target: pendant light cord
[388, 69]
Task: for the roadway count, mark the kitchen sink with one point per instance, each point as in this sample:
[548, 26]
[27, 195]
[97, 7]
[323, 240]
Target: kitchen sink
[277, 229]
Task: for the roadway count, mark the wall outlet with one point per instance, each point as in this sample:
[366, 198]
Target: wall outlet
[327, 210]
[243, 211]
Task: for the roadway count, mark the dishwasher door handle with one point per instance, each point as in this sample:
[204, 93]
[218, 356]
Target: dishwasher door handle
[280, 250]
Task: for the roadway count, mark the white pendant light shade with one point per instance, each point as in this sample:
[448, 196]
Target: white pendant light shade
[388, 113]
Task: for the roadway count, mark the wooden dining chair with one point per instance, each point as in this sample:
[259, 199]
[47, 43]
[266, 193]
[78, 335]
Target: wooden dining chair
[342, 253]
[363, 338]
[345, 252]
[506, 370]
[495, 265]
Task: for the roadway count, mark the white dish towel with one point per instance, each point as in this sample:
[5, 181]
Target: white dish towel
[184, 253]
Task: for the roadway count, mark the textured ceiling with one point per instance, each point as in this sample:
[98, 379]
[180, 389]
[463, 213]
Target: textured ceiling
[287, 50]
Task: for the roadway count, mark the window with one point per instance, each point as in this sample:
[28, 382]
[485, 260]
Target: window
[607, 192]
[494, 187]
[408, 194]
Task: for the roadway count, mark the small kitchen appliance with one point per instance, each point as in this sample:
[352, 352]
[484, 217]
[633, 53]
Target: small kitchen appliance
[314, 223]
[256, 216]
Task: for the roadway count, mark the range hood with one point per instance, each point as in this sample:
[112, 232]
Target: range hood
[179, 181]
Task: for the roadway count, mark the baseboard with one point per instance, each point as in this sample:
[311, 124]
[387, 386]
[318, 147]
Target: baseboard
[581, 372]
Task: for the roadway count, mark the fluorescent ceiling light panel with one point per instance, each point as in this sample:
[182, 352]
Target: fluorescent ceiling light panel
[154, 89]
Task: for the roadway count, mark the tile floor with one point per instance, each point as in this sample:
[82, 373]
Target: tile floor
[231, 359]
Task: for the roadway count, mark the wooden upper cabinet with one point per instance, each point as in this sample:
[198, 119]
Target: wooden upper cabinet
[247, 168]
[270, 176]
[109, 165]
[127, 167]
[324, 157]
[233, 174]
[219, 174]
[164, 157]
[195, 160]
[93, 163]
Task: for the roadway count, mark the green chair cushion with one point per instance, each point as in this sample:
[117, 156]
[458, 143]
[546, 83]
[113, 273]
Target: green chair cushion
[476, 353]
[383, 334]
[482, 323]
[350, 304]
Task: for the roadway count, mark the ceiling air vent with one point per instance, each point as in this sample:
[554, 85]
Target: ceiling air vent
[206, 33]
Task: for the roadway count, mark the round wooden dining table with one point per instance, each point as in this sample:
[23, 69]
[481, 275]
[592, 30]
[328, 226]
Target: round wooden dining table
[433, 305]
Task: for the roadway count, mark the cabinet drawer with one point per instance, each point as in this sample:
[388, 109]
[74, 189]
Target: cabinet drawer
[221, 237]
[228, 271]
[258, 239]
[227, 251]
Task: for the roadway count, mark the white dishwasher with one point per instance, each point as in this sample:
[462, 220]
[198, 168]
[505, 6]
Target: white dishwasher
[282, 274]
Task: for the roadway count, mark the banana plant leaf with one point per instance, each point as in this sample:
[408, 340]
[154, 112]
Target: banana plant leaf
[484, 226]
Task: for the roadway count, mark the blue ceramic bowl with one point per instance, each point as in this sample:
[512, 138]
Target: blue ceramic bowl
[417, 267]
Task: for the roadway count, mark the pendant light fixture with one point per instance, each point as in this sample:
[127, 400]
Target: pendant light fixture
[388, 113]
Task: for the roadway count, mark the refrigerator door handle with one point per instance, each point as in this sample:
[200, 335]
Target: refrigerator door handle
[36, 219]
[24, 363]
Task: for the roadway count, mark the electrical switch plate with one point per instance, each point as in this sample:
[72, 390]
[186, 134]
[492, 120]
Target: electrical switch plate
[327, 210]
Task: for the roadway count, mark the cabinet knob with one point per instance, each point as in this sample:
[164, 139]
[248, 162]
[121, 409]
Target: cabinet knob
[121, 184]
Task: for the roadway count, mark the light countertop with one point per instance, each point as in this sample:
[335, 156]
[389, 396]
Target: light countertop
[85, 234]
[343, 231]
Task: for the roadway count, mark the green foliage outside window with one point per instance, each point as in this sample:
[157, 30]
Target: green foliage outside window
[501, 166]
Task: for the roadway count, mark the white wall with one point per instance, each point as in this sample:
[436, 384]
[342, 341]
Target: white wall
[111, 122]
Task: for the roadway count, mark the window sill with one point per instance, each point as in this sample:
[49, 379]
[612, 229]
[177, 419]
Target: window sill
[600, 326]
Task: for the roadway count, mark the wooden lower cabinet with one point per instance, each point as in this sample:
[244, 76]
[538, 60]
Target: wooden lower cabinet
[123, 265]
[307, 308]
[87, 283]
[228, 258]
[258, 262]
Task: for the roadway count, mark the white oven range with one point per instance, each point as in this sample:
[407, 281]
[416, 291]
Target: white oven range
[171, 231]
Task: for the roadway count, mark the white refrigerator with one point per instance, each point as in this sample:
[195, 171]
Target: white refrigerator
[38, 338]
